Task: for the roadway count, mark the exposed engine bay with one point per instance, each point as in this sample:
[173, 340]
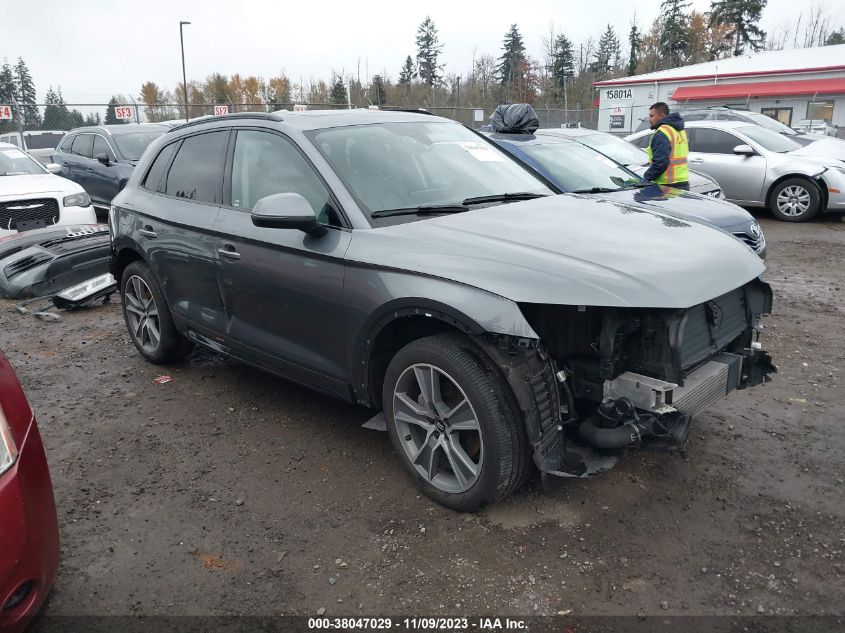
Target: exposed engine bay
[602, 380]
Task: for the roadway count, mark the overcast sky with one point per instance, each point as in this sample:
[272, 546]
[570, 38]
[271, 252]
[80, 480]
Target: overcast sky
[96, 48]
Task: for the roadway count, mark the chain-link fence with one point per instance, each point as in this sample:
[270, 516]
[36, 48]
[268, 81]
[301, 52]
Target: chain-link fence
[32, 121]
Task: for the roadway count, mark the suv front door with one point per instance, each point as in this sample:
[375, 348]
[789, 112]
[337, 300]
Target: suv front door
[103, 178]
[282, 289]
[712, 152]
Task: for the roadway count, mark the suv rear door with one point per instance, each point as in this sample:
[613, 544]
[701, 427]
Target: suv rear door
[185, 182]
[79, 159]
[282, 289]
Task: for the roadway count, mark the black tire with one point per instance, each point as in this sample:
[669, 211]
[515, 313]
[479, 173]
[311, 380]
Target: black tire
[171, 346]
[504, 458]
[787, 214]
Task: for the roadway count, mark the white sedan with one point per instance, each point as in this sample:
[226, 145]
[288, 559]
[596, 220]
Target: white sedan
[31, 197]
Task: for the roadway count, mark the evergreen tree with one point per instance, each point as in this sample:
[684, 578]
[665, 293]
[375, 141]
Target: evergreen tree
[408, 73]
[378, 94]
[836, 37]
[216, 89]
[93, 119]
[634, 42]
[74, 119]
[743, 17]
[674, 35]
[428, 52]
[607, 54]
[562, 69]
[7, 94]
[512, 59]
[26, 96]
[338, 91]
[111, 117]
[56, 115]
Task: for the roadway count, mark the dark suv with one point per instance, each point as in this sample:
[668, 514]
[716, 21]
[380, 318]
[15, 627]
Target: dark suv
[102, 158]
[401, 261]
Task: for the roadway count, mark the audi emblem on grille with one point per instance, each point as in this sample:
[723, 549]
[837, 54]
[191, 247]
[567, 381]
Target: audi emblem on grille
[714, 314]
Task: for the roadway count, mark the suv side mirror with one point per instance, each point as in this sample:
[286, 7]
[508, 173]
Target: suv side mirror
[287, 211]
[103, 158]
[53, 168]
[745, 150]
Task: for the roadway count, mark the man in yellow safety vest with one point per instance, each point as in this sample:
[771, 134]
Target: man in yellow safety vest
[668, 149]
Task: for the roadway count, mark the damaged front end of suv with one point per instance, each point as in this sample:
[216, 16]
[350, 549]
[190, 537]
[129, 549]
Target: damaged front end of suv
[600, 380]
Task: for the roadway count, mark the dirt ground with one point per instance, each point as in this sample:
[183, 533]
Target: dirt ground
[228, 491]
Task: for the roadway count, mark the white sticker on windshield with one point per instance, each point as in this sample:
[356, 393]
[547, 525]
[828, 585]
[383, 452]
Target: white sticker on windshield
[14, 153]
[482, 152]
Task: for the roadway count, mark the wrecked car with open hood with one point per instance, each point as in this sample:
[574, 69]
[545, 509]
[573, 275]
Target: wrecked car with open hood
[399, 261]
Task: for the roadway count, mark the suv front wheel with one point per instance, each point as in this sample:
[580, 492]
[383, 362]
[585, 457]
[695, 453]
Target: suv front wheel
[453, 423]
[148, 317]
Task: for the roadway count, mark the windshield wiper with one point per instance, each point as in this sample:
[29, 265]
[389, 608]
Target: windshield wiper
[424, 210]
[595, 190]
[504, 197]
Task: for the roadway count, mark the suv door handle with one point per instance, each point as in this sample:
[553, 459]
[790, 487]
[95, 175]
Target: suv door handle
[228, 251]
[147, 231]
[696, 160]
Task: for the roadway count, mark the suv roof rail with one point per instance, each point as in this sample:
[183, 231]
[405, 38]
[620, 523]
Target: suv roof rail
[266, 116]
[413, 110]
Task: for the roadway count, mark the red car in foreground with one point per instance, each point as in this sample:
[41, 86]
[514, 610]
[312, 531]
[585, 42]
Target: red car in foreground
[29, 533]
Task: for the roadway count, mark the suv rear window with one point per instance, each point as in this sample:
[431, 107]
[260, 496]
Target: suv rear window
[197, 170]
[83, 144]
[64, 146]
[153, 178]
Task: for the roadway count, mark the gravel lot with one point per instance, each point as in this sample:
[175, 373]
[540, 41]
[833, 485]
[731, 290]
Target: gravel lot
[227, 491]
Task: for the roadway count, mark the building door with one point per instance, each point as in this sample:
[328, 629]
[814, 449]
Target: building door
[784, 115]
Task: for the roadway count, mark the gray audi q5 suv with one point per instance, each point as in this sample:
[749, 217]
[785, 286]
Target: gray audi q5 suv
[402, 262]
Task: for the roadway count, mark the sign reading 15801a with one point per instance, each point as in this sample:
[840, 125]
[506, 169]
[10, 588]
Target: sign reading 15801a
[619, 93]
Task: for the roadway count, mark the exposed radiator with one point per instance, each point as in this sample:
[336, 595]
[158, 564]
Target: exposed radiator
[703, 387]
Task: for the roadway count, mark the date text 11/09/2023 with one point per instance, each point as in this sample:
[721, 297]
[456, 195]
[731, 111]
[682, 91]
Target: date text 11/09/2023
[480, 624]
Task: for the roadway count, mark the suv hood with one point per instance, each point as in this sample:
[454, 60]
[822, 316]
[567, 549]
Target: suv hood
[36, 183]
[568, 250]
[684, 205]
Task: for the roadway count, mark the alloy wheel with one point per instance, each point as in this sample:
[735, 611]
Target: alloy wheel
[142, 313]
[438, 428]
[793, 200]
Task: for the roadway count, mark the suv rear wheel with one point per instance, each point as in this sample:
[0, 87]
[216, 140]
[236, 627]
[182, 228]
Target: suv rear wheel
[453, 423]
[148, 317]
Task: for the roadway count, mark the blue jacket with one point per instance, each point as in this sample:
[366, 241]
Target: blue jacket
[661, 148]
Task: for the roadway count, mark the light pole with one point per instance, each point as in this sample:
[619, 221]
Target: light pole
[184, 80]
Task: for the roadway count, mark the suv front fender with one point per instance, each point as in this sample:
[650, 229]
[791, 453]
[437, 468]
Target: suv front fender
[381, 298]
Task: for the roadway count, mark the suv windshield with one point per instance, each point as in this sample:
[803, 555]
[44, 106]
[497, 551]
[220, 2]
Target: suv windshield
[413, 164]
[13, 162]
[579, 168]
[132, 145]
[772, 141]
[619, 150]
